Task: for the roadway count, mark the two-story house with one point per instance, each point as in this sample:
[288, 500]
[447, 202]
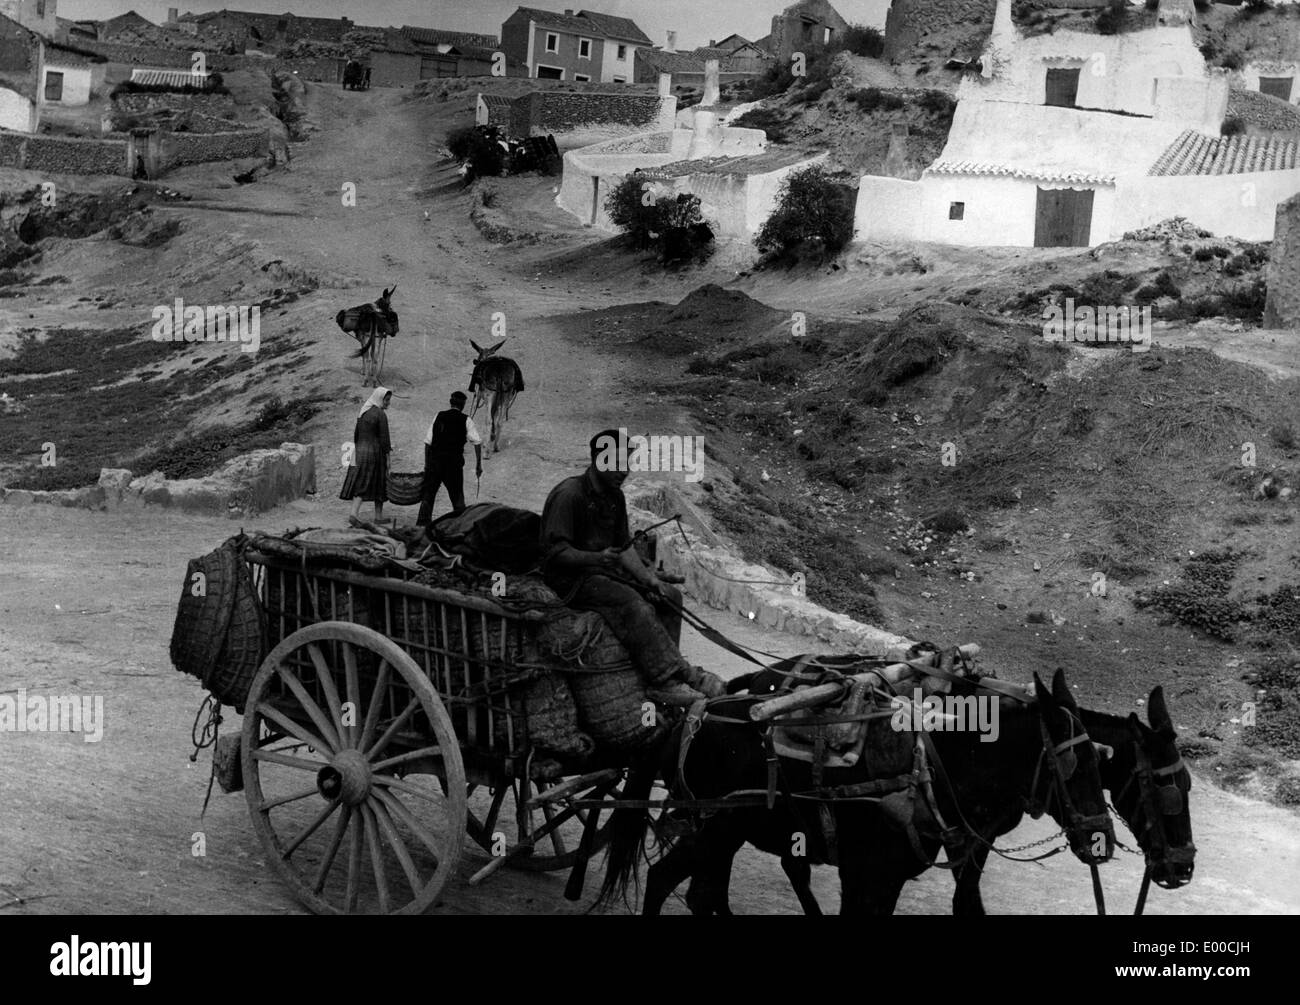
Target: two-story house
[581, 46]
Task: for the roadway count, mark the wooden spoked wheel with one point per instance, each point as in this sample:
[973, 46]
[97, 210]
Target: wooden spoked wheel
[555, 830]
[343, 742]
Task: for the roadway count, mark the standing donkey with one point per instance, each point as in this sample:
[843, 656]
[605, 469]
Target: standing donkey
[371, 325]
[499, 377]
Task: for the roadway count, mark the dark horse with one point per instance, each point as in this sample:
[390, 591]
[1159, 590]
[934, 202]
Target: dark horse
[371, 325]
[500, 377]
[1042, 760]
[1141, 769]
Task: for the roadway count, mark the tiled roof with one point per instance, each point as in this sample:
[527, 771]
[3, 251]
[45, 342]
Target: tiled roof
[1194, 153]
[65, 55]
[172, 78]
[496, 100]
[587, 23]
[1036, 174]
[436, 36]
[671, 62]
[616, 27]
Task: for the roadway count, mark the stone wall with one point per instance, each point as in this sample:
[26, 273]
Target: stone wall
[63, 155]
[179, 149]
[1262, 112]
[559, 112]
[909, 22]
[211, 104]
[1283, 307]
[248, 484]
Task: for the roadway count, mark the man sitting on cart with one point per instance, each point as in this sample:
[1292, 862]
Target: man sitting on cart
[588, 559]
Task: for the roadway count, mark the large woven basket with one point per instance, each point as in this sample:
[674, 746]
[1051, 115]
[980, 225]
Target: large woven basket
[220, 631]
[405, 489]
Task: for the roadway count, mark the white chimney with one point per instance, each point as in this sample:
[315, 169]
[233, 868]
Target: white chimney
[671, 44]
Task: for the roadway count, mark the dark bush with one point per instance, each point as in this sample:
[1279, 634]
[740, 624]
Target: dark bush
[871, 98]
[770, 121]
[1232, 61]
[938, 102]
[674, 225]
[1111, 21]
[813, 212]
[460, 140]
[1163, 286]
[1232, 126]
[861, 41]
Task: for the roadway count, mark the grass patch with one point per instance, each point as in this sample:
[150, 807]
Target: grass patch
[97, 396]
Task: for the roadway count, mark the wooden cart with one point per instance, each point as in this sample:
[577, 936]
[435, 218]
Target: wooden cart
[383, 726]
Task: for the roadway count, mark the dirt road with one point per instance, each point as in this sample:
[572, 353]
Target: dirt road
[87, 600]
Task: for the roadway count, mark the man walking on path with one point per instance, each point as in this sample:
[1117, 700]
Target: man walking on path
[444, 456]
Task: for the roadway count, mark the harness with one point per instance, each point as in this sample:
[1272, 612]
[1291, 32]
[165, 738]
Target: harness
[1155, 802]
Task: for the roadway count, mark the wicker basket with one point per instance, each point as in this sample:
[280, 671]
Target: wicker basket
[405, 489]
[220, 634]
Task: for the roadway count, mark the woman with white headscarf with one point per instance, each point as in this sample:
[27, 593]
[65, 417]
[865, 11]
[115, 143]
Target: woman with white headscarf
[367, 477]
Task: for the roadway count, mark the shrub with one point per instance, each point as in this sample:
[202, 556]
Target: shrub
[459, 141]
[674, 225]
[1232, 126]
[1232, 61]
[1111, 21]
[937, 102]
[813, 210]
[1163, 286]
[861, 41]
[871, 98]
[770, 121]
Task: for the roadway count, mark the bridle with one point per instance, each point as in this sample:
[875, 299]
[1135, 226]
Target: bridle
[1155, 802]
[1061, 763]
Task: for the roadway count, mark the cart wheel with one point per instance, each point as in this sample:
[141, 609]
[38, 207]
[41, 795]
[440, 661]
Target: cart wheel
[335, 801]
[556, 829]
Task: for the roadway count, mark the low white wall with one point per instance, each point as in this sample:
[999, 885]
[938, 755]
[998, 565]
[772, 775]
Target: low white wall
[998, 211]
[608, 163]
[16, 112]
[887, 209]
[1236, 205]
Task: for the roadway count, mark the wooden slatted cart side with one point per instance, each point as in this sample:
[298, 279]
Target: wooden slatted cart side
[469, 648]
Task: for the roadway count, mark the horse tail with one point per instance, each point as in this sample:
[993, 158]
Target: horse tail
[627, 829]
[365, 346]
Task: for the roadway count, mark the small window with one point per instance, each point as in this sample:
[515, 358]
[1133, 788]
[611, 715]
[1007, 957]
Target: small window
[53, 86]
[552, 42]
[40, 8]
[619, 80]
[1277, 87]
[622, 52]
[1062, 87]
[584, 48]
[582, 78]
[956, 211]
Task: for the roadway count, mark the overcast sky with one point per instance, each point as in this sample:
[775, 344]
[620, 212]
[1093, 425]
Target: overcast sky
[694, 21]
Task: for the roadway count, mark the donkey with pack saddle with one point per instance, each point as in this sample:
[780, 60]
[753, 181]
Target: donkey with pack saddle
[879, 811]
[1140, 767]
[371, 325]
[498, 378]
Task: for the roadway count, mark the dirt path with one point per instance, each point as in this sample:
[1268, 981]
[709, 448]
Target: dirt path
[87, 600]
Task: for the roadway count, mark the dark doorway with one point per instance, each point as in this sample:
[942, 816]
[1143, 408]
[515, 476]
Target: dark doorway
[1062, 87]
[1277, 87]
[1064, 218]
[550, 73]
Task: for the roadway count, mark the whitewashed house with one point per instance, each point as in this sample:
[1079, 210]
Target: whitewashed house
[1073, 138]
[70, 76]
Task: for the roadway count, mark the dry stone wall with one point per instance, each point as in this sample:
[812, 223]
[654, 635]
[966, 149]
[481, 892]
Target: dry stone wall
[63, 155]
[1283, 307]
[965, 23]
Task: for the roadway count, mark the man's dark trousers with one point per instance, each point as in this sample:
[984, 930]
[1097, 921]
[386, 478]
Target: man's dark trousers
[649, 632]
[442, 470]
